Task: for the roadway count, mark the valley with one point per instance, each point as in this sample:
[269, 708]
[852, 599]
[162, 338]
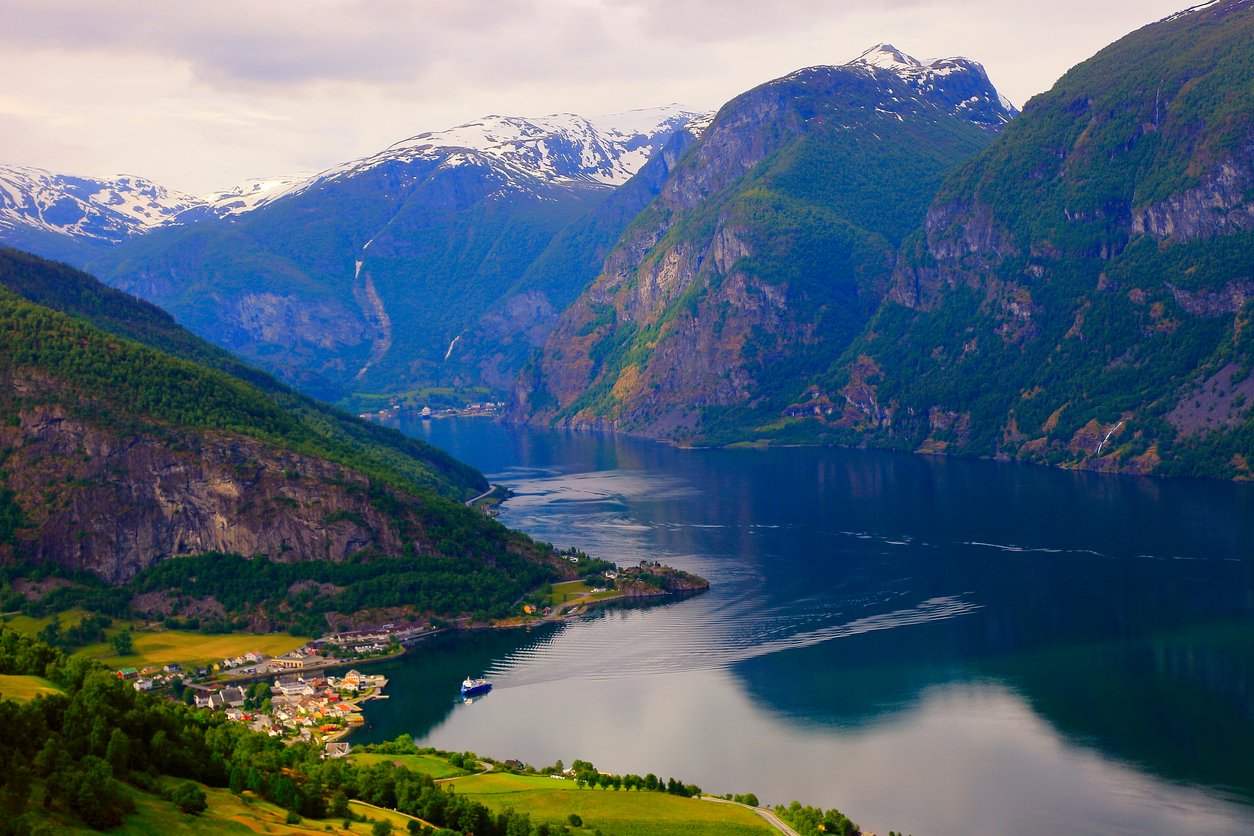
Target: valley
[865, 441]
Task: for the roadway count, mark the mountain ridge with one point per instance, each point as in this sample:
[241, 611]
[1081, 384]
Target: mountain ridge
[769, 243]
[605, 150]
[1077, 294]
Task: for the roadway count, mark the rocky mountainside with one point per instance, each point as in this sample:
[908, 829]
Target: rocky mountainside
[380, 275]
[122, 447]
[769, 246]
[1081, 292]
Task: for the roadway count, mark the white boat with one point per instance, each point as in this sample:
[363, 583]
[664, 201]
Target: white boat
[475, 686]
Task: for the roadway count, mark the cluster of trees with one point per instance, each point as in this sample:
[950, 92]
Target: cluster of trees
[83, 745]
[90, 630]
[815, 821]
[586, 774]
[427, 583]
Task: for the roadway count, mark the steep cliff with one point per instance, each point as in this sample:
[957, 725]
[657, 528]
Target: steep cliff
[1080, 292]
[768, 247]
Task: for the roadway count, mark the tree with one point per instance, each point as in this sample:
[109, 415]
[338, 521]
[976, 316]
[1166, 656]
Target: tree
[123, 643]
[118, 752]
[381, 828]
[575, 820]
[189, 798]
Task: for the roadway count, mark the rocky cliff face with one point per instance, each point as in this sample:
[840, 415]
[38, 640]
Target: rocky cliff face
[113, 506]
[764, 252]
[1078, 291]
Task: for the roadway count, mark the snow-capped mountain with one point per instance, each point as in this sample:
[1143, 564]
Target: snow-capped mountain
[557, 149]
[98, 210]
[561, 148]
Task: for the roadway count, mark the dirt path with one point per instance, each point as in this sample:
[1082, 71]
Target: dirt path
[486, 493]
[765, 814]
[487, 767]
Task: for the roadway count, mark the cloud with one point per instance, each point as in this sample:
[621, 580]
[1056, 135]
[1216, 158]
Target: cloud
[239, 43]
[201, 94]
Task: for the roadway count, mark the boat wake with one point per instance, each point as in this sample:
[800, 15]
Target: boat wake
[668, 640]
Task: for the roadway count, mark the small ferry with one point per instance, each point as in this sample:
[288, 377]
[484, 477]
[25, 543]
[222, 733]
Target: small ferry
[475, 686]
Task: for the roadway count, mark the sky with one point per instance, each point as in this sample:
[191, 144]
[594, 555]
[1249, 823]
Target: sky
[199, 96]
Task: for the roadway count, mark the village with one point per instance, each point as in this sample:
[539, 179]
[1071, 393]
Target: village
[288, 696]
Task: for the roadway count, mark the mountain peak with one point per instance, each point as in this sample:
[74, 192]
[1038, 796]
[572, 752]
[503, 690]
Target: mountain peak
[887, 57]
[955, 75]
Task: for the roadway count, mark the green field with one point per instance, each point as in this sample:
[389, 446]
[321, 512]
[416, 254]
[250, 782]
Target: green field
[570, 590]
[400, 821]
[25, 687]
[613, 812]
[431, 765]
[31, 626]
[227, 813]
[160, 648]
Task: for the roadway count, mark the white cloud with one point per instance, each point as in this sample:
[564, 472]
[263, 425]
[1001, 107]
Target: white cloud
[200, 95]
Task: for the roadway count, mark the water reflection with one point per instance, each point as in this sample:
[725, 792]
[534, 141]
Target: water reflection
[934, 645]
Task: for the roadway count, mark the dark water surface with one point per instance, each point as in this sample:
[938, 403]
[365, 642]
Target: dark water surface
[933, 646]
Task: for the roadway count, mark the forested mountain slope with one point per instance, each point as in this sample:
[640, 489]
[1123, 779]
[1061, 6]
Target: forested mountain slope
[116, 456]
[1081, 292]
[769, 246]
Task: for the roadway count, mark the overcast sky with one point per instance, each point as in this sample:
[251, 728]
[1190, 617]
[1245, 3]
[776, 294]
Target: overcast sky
[202, 95]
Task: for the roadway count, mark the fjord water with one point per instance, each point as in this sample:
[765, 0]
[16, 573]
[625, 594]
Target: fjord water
[932, 645]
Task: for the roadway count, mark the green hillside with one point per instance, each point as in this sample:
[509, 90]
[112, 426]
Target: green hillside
[1081, 291]
[115, 456]
[765, 253]
[271, 407]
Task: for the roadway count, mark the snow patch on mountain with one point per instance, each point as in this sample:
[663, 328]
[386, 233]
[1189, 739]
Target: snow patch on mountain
[934, 74]
[99, 210]
[253, 194]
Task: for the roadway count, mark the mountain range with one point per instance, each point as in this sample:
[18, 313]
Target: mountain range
[1076, 292]
[1079, 293]
[375, 276]
[882, 252]
[766, 251]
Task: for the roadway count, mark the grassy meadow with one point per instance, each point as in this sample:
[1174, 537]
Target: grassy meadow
[24, 688]
[613, 812]
[436, 767]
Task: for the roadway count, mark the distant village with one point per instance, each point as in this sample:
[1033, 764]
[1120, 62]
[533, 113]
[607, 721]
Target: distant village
[287, 696]
[470, 410]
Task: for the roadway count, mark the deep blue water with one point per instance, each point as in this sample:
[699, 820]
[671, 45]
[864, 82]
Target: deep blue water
[931, 645]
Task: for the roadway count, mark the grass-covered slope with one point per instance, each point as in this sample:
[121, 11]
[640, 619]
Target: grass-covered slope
[1081, 293]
